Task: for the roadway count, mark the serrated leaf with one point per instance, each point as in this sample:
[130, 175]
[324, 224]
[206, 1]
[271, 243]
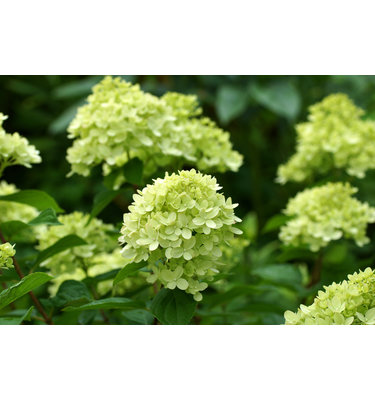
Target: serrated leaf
[35, 198]
[276, 222]
[173, 307]
[46, 217]
[133, 171]
[128, 270]
[25, 285]
[110, 303]
[63, 244]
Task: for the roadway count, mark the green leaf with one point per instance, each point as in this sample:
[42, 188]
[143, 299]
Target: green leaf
[25, 285]
[142, 317]
[281, 97]
[128, 270]
[35, 198]
[78, 88]
[13, 320]
[46, 217]
[231, 102]
[10, 228]
[276, 222]
[133, 171]
[101, 201]
[63, 244]
[71, 293]
[295, 253]
[249, 226]
[173, 307]
[61, 123]
[120, 303]
[284, 274]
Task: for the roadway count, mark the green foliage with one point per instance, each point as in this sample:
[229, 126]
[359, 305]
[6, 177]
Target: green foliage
[34, 198]
[25, 285]
[173, 307]
[112, 303]
[171, 123]
[61, 245]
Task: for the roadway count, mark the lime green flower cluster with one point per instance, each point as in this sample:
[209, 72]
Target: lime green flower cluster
[15, 149]
[335, 136]
[326, 213]
[6, 253]
[351, 302]
[74, 263]
[121, 122]
[178, 224]
[14, 211]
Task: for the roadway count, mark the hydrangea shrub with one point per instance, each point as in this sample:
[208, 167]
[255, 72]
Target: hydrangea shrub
[15, 149]
[121, 122]
[351, 302]
[335, 136]
[177, 224]
[324, 214]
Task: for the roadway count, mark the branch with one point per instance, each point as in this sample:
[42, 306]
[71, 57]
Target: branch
[316, 272]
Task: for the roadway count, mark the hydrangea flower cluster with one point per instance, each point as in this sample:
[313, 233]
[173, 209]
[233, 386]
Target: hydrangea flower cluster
[6, 253]
[74, 263]
[335, 136]
[15, 149]
[178, 224]
[326, 213]
[14, 211]
[121, 122]
[351, 302]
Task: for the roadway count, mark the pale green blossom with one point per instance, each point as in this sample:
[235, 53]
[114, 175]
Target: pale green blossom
[121, 122]
[74, 263]
[15, 149]
[326, 213]
[178, 224]
[335, 136]
[6, 253]
[351, 302]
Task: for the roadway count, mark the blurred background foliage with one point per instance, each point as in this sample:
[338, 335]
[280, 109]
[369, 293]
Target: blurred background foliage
[260, 113]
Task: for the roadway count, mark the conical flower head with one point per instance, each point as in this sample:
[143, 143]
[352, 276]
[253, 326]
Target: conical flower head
[121, 122]
[178, 225]
[350, 302]
[335, 136]
[326, 213]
